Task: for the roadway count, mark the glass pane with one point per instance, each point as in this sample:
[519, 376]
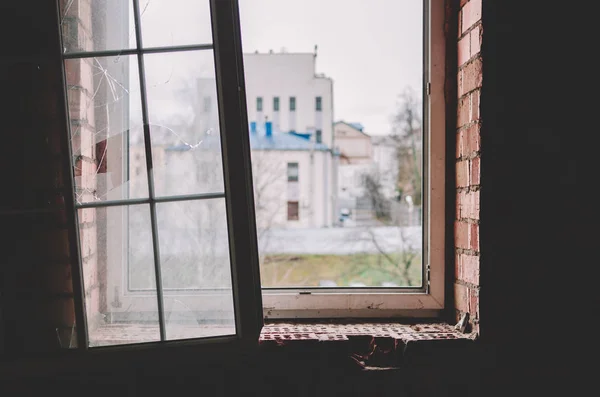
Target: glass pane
[106, 136]
[184, 123]
[97, 25]
[175, 22]
[114, 239]
[195, 268]
[350, 215]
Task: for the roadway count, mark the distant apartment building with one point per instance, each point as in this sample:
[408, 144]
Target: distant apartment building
[356, 158]
[290, 110]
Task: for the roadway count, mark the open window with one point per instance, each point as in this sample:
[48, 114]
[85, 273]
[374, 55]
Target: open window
[161, 171]
[183, 190]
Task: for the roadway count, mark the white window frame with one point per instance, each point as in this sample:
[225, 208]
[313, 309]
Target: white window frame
[427, 301]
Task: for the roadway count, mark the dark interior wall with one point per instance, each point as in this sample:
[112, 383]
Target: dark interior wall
[35, 261]
[538, 215]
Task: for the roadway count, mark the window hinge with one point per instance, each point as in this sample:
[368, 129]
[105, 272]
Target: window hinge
[305, 293]
[428, 88]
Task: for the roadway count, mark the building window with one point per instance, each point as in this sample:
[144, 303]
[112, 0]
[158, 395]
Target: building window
[318, 104]
[292, 103]
[259, 104]
[293, 211]
[319, 136]
[276, 104]
[207, 103]
[292, 172]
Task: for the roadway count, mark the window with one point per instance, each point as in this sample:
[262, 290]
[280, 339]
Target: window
[292, 172]
[293, 213]
[155, 247]
[276, 104]
[155, 260]
[356, 246]
[259, 104]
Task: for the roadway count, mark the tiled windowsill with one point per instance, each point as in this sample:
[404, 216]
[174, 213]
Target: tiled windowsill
[372, 346]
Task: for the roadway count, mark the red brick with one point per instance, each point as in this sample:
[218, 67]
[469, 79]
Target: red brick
[474, 205]
[457, 266]
[463, 205]
[461, 234]
[471, 138]
[475, 174]
[474, 237]
[467, 205]
[473, 303]
[464, 112]
[464, 51]
[470, 77]
[471, 14]
[460, 199]
[475, 39]
[462, 174]
[461, 141]
[469, 269]
[474, 108]
[461, 297]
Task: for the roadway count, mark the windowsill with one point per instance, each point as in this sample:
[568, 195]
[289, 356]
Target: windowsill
[369, 346]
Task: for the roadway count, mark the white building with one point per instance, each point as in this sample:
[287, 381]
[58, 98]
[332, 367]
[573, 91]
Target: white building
[385, 159]
[294, 171]
[356, 160]
[294, 167]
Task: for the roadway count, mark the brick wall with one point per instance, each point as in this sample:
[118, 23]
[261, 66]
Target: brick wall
[468, 158]
[85, 93]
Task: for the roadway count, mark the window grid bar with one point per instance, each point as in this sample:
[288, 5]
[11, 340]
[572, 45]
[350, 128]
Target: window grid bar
[164, 199]
[136, 51]
[149, 167]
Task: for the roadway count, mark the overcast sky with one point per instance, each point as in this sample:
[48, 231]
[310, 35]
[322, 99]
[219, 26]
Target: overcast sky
[371, 49]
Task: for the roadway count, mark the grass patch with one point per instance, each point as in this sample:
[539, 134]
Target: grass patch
[304, 270]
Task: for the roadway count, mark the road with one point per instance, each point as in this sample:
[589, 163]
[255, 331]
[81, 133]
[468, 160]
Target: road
[340, 240]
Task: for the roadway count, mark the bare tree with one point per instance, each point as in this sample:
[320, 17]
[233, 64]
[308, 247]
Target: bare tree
[407, 133]
[373, 186]
[397, 263]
